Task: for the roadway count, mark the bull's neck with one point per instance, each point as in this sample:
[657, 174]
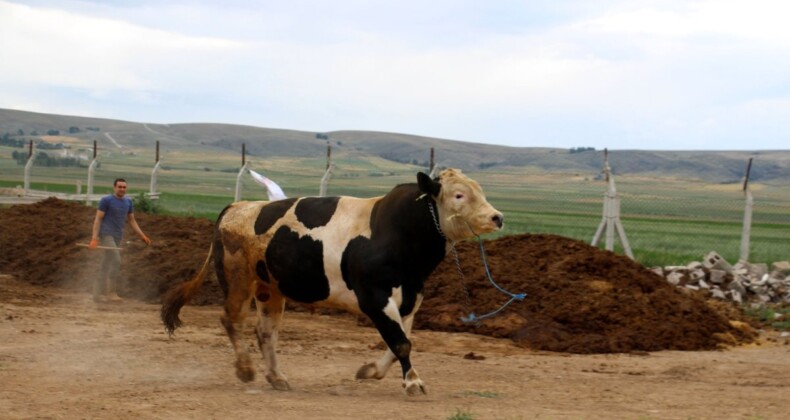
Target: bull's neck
[404, 214]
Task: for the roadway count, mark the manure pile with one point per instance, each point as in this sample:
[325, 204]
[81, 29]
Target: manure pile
[580, 299]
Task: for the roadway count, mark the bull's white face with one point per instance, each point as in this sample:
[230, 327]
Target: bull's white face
[463, 209]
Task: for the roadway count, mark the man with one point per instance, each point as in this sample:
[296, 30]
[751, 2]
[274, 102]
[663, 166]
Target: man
[111, 217]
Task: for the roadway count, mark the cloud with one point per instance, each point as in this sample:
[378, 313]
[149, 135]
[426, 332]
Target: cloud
[566, 72]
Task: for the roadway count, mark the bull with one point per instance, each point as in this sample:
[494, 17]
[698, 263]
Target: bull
[367, 256]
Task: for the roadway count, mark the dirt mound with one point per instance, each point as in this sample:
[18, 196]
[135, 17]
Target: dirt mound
[579, 299]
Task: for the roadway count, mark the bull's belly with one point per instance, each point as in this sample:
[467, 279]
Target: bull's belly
[342, 298]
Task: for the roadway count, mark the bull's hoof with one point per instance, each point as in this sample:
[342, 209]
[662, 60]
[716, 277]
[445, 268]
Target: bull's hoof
[412, 384]
[415, 388]
[244, 371]
[278, 383]
[369, 371]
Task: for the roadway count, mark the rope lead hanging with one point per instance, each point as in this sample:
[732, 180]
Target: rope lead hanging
[472, 318]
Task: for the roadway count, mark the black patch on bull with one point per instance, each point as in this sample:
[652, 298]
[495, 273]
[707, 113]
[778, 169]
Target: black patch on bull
[297, 264]
[271, 213]
[403, 249]
[315, 212]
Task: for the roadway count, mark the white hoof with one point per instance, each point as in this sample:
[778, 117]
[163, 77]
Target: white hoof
[412, 384]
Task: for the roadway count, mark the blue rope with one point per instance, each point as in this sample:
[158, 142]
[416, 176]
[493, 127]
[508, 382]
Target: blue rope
[472, 318]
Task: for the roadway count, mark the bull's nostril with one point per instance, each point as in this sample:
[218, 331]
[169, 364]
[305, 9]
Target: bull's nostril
[498, 220]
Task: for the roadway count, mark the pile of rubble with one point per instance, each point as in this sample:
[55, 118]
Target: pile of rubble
[741, 283]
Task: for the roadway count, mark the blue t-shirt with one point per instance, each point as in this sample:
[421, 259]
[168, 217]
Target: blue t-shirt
[116, 210]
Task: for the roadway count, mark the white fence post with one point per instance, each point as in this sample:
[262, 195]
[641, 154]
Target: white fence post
[747, 216]
[28, 165]
[154, 182]
[91, 169]
[611, 215]
[237, 197]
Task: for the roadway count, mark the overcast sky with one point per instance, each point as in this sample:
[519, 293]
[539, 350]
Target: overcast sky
[622, 74]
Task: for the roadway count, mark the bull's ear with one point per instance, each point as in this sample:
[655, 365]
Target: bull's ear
[427, 185]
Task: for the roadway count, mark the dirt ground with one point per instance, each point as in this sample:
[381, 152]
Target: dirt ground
[62, 356]
[597, 336]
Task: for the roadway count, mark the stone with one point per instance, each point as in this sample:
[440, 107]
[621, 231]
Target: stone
[717, 276]
[674, 277]
[782, 267]
[758, 270]
[737, 286]
[736, 296]
[697, 275]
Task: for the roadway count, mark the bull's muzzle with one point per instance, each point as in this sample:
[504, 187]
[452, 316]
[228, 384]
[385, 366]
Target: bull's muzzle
[498, 219]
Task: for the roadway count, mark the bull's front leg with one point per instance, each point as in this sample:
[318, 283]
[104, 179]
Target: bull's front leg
[395, 332]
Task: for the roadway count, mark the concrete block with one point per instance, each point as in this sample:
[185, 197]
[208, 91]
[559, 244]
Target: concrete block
[717, 293]
[714, 260]
[703, 285]
[694, 265]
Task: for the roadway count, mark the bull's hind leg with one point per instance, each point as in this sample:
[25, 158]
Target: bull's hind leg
[237, 304]
[270, 314]
[395, 332]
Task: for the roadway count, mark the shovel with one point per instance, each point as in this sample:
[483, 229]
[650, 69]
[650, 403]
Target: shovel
[100, 247]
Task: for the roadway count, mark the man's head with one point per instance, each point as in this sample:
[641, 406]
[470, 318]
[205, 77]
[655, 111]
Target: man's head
[119, 187]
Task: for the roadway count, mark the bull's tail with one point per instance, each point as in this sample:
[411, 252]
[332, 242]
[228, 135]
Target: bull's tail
[180, 294]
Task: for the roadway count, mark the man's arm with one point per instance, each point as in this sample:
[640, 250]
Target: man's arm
[136, 228]
[95, 231]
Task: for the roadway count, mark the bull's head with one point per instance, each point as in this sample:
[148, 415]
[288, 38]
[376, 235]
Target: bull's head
[463, 211]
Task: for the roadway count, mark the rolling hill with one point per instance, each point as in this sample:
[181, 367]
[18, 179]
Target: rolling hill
[712, 166]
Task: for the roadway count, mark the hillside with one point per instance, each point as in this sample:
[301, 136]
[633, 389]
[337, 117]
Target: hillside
[712, 166]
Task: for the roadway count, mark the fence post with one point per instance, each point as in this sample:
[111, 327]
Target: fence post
[241, 172]
[747, 215]
[28, 165]
[152, 189]
[328, 173]
[91, 169]
[611, 214]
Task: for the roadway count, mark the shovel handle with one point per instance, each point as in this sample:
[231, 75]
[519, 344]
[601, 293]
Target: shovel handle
[100, 247]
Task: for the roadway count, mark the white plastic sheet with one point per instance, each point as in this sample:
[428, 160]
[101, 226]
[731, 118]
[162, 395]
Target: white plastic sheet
[272, 189]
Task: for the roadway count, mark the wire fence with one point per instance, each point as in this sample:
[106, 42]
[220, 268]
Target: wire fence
[670, 225]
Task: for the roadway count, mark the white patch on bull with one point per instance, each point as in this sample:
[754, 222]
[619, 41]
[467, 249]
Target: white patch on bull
[392, 312]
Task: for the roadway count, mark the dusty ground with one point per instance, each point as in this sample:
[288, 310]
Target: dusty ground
[62, 356]
[612, 326]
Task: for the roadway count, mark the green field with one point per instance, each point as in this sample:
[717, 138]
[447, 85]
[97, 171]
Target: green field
[667, 221]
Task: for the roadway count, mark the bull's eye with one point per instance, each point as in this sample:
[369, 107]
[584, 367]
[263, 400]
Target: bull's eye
[459, 196]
